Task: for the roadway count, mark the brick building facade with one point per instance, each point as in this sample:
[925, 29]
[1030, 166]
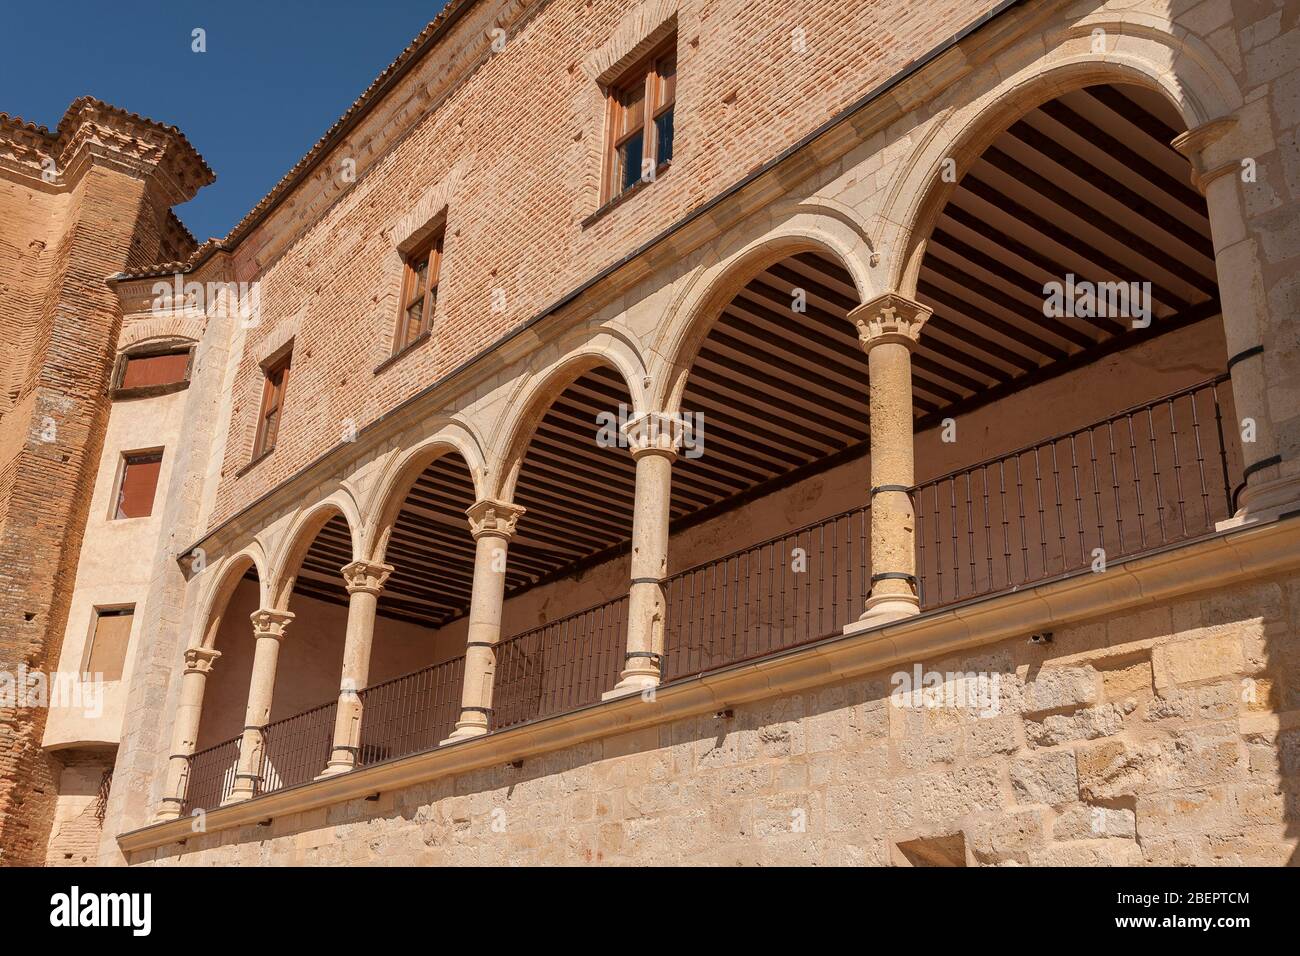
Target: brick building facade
[387, 584]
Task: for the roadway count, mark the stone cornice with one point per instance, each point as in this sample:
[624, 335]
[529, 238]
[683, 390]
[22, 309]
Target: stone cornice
[1218, 561]
[1198, 146]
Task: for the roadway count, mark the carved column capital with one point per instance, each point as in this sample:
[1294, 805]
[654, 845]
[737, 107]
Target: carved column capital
[366, 577]
[199, 660]
[270, 623]
[889, 318]
[1209, 159]
[494, 518]
[654, 433]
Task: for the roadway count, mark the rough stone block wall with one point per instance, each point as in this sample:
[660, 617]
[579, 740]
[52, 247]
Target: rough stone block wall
[1160, 736]
[84, 780]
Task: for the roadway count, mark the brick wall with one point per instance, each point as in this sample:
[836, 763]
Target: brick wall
[518, 136]
[67, 344]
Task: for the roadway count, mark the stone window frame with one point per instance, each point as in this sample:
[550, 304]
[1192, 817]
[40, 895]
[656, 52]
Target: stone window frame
[148, 349]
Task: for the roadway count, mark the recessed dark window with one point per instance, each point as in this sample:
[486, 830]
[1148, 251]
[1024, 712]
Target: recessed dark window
[135, 492]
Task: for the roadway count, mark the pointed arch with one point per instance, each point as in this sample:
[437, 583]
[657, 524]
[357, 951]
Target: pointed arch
[697, 308]
[228, 574]
[306, 525]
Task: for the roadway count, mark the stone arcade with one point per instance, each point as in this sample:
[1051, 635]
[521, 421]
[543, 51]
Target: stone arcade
[366, 587]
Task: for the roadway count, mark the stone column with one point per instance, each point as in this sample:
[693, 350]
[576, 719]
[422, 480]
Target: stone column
[492, 523]
[1258, 320]
[268, 631]
[185, 732]
[653, 439]
[889, 327]
[364, 581]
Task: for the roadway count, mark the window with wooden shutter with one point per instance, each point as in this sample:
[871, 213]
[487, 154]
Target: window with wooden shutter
[108, 643]
[138, 485]
[272, 411]
[154, 371]
[419, 293]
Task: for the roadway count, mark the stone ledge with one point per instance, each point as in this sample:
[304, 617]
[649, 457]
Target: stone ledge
[1214, 562]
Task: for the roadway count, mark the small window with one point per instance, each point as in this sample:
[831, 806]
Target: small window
[273, 392]
[154, 371]
[108, 642]
[135, 492]
[419, 293]
[641, 121]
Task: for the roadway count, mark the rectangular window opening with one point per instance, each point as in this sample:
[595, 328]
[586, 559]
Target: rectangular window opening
[419, 293]
[155, 371]
[273, 395]
[108, 642]
[138, 484]
[640, 122]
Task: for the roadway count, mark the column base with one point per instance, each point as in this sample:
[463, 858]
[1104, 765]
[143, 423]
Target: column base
[170, 810]
[465, 730]
[242, 792]
[1267, 501]
[885, 611]
[632, 682]
[336, 766]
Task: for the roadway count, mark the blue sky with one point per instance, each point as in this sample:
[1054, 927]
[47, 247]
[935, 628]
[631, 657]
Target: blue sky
[275, 76]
